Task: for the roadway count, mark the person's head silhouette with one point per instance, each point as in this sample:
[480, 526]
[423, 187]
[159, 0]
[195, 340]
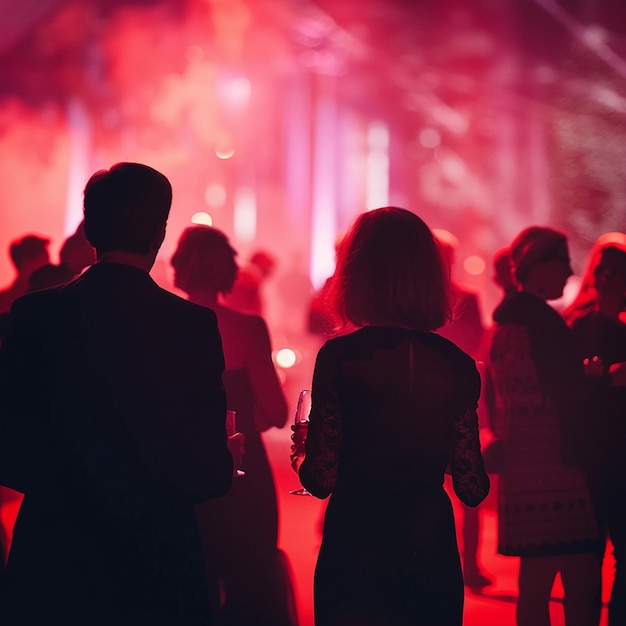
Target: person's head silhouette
[502, 270]
[390, 271]
[540, 261]
[29, 253]
[204, 261]
[126, 209]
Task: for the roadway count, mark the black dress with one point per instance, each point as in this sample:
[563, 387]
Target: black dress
[392, 409]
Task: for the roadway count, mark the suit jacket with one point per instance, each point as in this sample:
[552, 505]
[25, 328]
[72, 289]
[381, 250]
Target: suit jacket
[112, 414]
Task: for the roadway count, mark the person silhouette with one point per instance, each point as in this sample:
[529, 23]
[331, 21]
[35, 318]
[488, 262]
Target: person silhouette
[125, 433]
[545, 514]
[502, 272]
[466, 328]
[75, 255]
[28, 254]
[240, 530]
[596, 317]
[503, 278]
[467, 331]
[246, 294]
[393, 405]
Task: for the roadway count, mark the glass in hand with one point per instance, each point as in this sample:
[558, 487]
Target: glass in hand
[231, 430]
[300, 428]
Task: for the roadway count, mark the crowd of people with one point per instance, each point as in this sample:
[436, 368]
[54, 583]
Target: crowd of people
[113, 402]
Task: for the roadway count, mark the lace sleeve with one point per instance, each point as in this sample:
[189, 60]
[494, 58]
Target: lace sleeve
[318, 472]
[470, 480]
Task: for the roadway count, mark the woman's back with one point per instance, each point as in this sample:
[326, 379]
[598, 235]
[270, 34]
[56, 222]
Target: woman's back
[399, 407]
[401, 392]
[392, 406]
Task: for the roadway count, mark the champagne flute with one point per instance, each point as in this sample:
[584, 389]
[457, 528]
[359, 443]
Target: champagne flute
[231, 429]
[300, 428]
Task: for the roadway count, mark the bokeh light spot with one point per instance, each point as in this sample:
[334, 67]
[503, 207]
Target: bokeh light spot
[430, 138]
[236, 91]
[201, 218]
[224, 152]
[474, 265]
[215, 195]
[285, 358]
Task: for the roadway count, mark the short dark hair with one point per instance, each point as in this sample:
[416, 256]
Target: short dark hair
[535, 244]
[216, 267]
[390, 271]
[126, 207]
[27, 248]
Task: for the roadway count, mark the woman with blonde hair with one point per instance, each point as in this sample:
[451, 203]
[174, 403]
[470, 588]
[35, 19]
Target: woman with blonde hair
[393, 405]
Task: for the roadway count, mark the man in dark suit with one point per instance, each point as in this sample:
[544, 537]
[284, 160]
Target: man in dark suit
[112, 423]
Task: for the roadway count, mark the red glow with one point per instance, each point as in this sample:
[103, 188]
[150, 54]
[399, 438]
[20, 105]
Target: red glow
[495, 115]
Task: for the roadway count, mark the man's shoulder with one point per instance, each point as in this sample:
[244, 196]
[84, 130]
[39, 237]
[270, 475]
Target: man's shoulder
[131, 284]
[161, 303]
[184, 307]
[122, 290]
[36, 300]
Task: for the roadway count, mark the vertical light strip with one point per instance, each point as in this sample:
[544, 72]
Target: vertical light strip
[297, 99]
[79, 130]
[377, 190]
[323, 217]
[245, 214]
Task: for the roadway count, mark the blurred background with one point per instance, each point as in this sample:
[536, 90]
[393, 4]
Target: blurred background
[280, 120]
